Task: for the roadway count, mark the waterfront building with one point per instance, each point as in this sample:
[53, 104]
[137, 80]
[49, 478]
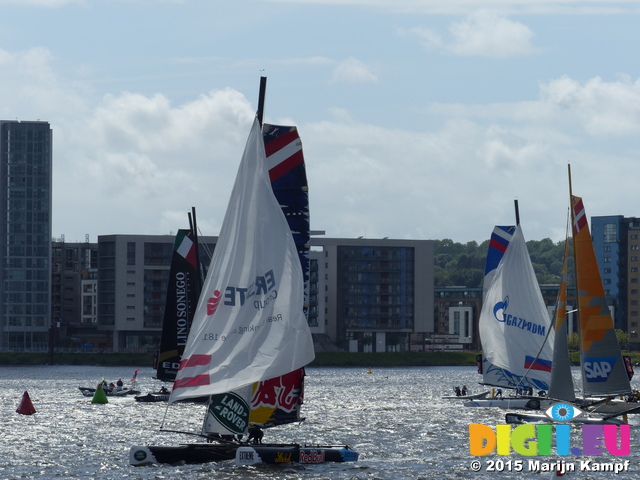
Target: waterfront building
[74, 286]
[25, 230]
[616, 241]
[377, 292]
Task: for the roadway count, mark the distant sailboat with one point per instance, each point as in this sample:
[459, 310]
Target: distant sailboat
[515, 327]
[605, 372]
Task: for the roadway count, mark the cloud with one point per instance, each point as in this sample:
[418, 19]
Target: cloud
[600, 108]
[140, 159]
[490, 35]
[481, 34]
[352, 70]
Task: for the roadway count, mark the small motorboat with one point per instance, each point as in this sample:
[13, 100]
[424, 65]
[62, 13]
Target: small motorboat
[110, 392]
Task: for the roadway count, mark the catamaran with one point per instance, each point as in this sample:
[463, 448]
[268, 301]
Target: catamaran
[605, 372]
[250, 340]
[515, 326]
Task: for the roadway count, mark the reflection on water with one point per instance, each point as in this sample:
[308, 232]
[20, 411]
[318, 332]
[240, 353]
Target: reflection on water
[394, 417]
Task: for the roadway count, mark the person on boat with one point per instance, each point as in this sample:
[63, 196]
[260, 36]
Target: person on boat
[499, 392]
[120, 384]
[164, 390]
[255, 434]
[458, 392]
[464, 390]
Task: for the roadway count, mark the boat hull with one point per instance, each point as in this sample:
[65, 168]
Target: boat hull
[467, 397]
[152, 397]
[90, 392]
[525, 403]
[192, 453]
[520, 418]
[293, 453]
[196, 453]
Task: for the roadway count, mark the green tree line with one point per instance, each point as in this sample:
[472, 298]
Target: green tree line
[462, 264]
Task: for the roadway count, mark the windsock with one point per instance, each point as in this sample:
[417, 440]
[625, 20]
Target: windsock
[99, 396]
[26, 406]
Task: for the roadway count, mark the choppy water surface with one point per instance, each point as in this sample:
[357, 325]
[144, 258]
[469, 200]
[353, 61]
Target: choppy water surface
[394, 417]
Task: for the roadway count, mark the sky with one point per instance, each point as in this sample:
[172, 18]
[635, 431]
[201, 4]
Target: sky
[419, 119]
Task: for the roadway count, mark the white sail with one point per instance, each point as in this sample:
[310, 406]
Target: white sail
[514, 322]
[249, 324]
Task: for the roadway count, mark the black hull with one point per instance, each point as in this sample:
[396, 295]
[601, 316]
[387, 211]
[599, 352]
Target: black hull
[152, 397]
[90, 392]
[197, 453]
[193, 453]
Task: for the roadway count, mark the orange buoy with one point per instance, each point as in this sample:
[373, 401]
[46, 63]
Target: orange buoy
[26, 406]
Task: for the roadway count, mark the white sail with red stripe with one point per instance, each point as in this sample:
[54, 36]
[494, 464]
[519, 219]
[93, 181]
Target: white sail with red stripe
[249, 325]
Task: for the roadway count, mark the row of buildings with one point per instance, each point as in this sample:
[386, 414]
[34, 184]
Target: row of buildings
[365, 294]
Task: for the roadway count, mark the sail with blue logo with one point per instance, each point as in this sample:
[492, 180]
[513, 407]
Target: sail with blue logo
[515, 326]
[603, 369]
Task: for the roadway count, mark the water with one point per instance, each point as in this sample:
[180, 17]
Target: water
[394, 417]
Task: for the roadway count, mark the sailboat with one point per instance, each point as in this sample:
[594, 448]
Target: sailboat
[183, 292]
[605, 372]
[249, 328]
[515, 327]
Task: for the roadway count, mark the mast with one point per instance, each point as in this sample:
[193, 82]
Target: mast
[193, 225]
[261, 95]
[515, 204]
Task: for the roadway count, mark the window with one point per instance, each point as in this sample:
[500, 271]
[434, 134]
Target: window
[610, 232]
[131, 253]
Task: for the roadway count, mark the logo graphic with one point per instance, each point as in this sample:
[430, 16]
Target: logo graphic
[563, 412]
[213, 303]
[499, 309]
[231, 410]
[598, 369]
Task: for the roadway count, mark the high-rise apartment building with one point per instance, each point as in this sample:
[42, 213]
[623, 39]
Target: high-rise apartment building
[25, 232]
[616, 241]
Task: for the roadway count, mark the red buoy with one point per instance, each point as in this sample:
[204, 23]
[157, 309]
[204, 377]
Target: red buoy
[26, 407]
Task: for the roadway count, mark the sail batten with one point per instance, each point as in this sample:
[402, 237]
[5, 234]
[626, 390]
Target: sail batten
[514, 323]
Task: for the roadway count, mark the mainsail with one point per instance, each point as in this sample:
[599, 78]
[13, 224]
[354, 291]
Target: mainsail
[183, 291]
[514, 322]
[288, 176]
[603, 368]
[249, 325]
[275, 401]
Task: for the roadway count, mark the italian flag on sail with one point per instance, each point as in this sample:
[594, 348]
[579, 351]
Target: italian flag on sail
[185, 247]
